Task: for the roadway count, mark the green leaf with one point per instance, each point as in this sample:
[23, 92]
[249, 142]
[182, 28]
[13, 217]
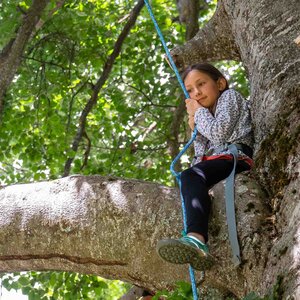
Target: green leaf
[24, 281]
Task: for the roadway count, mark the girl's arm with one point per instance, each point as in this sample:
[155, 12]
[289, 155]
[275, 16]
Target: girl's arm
[220, 127]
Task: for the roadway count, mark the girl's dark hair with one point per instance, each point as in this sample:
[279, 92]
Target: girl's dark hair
[206, 68]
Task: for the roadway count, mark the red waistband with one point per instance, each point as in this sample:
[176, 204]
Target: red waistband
[247, 160]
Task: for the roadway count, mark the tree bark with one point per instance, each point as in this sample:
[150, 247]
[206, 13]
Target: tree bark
[262, 35]
[110, 227]
[212, 43]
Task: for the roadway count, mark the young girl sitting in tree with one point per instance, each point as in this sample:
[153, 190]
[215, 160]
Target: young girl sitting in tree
[221, 117]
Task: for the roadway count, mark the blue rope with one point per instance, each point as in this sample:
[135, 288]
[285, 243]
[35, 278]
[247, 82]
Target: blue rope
[166, 49]
[177, 174]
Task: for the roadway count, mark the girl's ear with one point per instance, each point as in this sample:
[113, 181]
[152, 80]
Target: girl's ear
[222, 83]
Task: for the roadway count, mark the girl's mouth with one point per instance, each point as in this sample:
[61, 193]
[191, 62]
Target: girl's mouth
[199, 100]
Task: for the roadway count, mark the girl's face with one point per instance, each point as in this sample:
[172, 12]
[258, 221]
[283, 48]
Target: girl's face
[202, 88]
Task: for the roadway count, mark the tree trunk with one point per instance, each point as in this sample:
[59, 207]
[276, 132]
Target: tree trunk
[110, 227]
[265, 35]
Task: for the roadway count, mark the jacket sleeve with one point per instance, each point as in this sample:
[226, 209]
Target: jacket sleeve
[200, 146]
[220, 127]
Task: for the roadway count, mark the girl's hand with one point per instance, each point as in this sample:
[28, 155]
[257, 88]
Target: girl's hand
[191, 122]
[191, 106]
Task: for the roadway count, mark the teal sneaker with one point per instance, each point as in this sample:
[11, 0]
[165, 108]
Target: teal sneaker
[186, 250]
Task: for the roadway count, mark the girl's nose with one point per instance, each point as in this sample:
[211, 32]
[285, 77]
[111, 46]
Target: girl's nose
[197, 91]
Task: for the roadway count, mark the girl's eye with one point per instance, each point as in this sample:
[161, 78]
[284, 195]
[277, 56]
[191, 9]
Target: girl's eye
[189, 91]
[200, 83]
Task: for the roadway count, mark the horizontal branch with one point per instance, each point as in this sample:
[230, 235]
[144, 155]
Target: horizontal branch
[130, 147]
[110, 226]
[44, 62]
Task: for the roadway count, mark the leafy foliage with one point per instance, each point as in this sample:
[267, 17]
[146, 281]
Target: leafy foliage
[61, 65]
[182, 292]
[64, 286]
[128, 129]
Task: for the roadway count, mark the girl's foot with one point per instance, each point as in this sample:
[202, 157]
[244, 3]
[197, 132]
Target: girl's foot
[185, 250]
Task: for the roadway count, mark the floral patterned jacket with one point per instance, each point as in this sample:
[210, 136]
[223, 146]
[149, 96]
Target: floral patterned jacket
[231, 123]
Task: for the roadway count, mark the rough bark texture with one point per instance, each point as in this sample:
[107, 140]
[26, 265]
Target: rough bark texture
[213, 42]
[263, 35]
[110, 227]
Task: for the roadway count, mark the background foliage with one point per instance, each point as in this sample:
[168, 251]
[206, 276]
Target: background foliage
[128, 129]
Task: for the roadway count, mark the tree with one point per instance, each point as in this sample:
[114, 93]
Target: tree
[260, 35]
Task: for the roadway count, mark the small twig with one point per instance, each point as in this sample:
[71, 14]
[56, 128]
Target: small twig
[112, 161]
[44, 62]
[87, 151]
[72, 102]
[57, 34]
[15, 168]
[40, 23]
[125, 148]
[141, 92]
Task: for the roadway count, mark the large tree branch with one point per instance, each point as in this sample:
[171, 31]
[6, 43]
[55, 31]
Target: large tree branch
[98, 86]
[110, 227]
[189, 14]
[11, 55]
[212, 43]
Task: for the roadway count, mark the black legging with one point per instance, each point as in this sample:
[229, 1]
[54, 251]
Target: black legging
[195, 184]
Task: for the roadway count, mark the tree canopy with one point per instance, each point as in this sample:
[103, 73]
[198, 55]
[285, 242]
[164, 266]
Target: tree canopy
[128, 130]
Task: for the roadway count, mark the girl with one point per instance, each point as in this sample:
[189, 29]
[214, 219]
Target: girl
[221, 117]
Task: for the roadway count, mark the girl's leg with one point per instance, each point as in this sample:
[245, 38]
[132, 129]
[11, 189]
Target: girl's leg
[195, 184]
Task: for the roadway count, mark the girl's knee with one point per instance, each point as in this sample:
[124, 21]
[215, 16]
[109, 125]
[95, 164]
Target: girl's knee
[192, 172]
[186, 174]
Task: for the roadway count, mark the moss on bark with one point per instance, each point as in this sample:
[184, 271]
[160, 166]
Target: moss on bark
[272, 158]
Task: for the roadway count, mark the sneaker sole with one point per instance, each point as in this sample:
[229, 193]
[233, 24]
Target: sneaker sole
[176, 252]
